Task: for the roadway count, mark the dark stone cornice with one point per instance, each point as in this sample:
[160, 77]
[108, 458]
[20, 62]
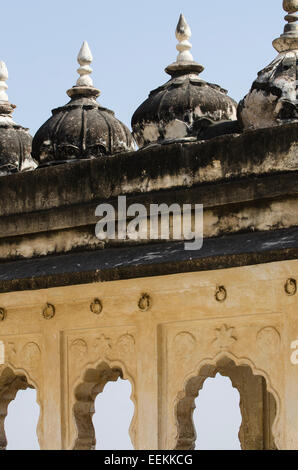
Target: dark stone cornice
[146, 261]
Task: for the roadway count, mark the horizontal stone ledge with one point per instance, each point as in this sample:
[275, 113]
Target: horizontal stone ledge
[146, 261]
[164, 167]
[212, 195]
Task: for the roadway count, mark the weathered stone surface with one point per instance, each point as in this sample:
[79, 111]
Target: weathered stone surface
[186, 105]
[77, 312]
[272, 99]
[246, 183]
[166, 353]
[180, 109]
[158, 259]
[261, 152]
[81, 129]
[15, 140]
[15, 149]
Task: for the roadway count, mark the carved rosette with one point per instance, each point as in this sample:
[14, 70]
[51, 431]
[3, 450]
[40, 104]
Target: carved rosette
[184, 345]
[126, 345]
[102, 346]
[268, 340]
[224, 337]
[79, 351]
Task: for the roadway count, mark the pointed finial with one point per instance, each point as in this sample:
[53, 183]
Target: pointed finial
[185, 62]
[85, 58]
[183, 34]
[3, 79]
[288, 41]
[84, 85]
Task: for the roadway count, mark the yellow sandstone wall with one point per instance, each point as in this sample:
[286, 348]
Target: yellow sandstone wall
[166, 335]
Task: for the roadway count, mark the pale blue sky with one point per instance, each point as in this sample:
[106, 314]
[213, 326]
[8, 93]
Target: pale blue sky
[132, 42]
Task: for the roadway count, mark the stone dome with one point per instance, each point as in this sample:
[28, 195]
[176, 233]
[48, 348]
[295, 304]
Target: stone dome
[15, 140]
[272, 99]
[82, 128]
[185, 105]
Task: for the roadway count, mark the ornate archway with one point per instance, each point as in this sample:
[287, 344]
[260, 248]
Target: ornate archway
[258, 404]
[94, 381]
[10, 384]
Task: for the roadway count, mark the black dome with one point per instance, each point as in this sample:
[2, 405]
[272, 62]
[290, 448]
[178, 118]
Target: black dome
[15, 143]
[81, 129]
[185, 106]
[176, 109]
[272, 99]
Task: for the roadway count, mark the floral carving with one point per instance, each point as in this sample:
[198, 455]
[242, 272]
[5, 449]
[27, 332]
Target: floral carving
[224, 337]
[102, 345]
[79, 350]
[268, 340]
[31, 355]
[184, 344]
[126, 344]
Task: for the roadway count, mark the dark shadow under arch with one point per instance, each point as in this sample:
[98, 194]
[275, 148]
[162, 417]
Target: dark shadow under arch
[93, 383]
[10, 384]
[258, 406]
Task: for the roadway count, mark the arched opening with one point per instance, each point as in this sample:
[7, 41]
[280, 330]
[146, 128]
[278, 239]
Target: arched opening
[17, 432]
[217, 416]
[113, 414]
[94, 382]
[258, 406]
[21, 421]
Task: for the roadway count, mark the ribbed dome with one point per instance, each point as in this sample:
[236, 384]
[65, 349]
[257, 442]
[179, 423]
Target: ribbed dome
[181, 107]
[82, 128]
[272, 99]
[15, 140]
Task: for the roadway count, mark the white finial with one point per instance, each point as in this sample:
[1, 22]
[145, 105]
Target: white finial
[84, 86]
[185, 62]
[3, 79]
[183, 34]
[288, 41]
[85, 59]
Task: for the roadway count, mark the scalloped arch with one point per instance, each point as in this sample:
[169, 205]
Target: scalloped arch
[11, 381]
[92, 382]
[184, 405]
